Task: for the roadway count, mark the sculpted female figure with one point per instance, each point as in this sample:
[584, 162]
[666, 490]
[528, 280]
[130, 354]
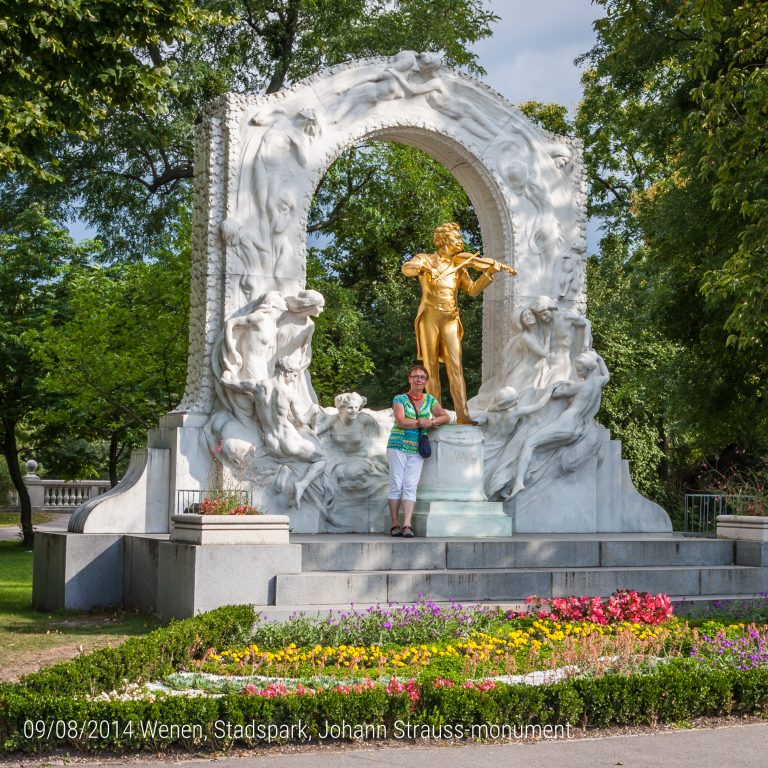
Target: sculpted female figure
[428, 82]
[263, 207]
[294, 338]
[351, 433]
[385, 85]
[243, 353]
[281, 418]
[571, 425]
[499, 423]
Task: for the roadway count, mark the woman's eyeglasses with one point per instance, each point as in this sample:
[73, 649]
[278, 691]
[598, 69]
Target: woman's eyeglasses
[422, 378]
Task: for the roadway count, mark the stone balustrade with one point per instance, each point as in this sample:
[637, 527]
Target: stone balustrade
[48, 495]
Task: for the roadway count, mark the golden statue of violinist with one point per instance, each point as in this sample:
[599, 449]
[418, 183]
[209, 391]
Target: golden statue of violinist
[438, 325]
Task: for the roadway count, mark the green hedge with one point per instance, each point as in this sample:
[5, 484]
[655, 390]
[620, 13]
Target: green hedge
[142, 658]
[32, 721]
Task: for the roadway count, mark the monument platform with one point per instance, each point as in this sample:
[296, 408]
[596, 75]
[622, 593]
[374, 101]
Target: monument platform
[317, 573]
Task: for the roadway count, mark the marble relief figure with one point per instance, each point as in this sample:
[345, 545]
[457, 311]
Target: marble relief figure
[568, 429]
[383, 86]
[355, 438]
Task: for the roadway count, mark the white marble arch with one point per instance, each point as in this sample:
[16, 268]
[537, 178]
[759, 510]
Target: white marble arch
[260, 160]
[258, 163]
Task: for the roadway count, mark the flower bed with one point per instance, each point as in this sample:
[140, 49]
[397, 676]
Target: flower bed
[394, 672]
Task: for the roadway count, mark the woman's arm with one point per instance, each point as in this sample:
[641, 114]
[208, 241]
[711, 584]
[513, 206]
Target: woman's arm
[439, 416]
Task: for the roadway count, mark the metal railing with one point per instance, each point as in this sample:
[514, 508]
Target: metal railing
[702, 509]
[188, 502]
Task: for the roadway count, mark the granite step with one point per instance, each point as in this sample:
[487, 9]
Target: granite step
[512, 584]
[387, 554]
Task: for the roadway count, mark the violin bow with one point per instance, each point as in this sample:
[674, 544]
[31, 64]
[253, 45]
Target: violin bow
[456, 268]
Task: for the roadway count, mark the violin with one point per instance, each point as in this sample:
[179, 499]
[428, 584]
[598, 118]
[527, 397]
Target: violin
[476, 261]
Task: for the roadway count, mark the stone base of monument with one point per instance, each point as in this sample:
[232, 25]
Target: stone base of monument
[82, 571]
[193, 579]
[451, 499]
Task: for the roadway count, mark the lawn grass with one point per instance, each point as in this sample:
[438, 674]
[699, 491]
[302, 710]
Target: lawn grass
[29, 639]
[9, 519]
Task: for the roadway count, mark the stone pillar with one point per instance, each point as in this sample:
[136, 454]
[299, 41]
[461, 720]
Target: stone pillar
[35, 487]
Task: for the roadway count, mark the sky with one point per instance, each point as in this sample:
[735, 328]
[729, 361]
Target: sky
[530, 55]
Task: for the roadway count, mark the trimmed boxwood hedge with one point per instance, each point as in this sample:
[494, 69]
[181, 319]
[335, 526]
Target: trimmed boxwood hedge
[143, 658]
[676, 691]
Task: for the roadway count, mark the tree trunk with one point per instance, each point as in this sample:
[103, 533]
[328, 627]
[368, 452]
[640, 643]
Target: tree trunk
[11, 453]
[113, 460]
[115, 451]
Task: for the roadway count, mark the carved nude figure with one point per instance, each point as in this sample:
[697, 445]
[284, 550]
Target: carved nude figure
[249, 341]
[295, 329]
[266, 165]
[279, 416]
[428, 82]
[568, 427]
[567, 336]
[499, 423]
[385, 85]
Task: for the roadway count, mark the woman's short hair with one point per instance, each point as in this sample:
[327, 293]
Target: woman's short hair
[418, 367]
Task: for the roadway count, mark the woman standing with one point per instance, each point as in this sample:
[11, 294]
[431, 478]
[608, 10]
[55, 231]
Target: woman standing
[413, 411]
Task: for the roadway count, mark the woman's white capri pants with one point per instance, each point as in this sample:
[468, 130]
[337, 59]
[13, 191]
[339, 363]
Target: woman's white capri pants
[404, 474]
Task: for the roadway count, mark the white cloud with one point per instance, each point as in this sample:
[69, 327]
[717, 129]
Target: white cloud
[530, 55]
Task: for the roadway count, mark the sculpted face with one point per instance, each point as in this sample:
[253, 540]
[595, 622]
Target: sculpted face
[349, 412]
[527, 318]
[349, 405]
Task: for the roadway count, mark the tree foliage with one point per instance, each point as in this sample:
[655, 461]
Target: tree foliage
[66, 64]
[33, 254]
[673, 122]
[116, 359]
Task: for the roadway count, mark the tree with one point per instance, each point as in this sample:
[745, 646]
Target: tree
[116, 359]
[65, 65]
[672, 120]
[33, 254]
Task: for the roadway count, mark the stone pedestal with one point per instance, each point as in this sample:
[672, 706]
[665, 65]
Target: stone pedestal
[451, 499]
[193, 579]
